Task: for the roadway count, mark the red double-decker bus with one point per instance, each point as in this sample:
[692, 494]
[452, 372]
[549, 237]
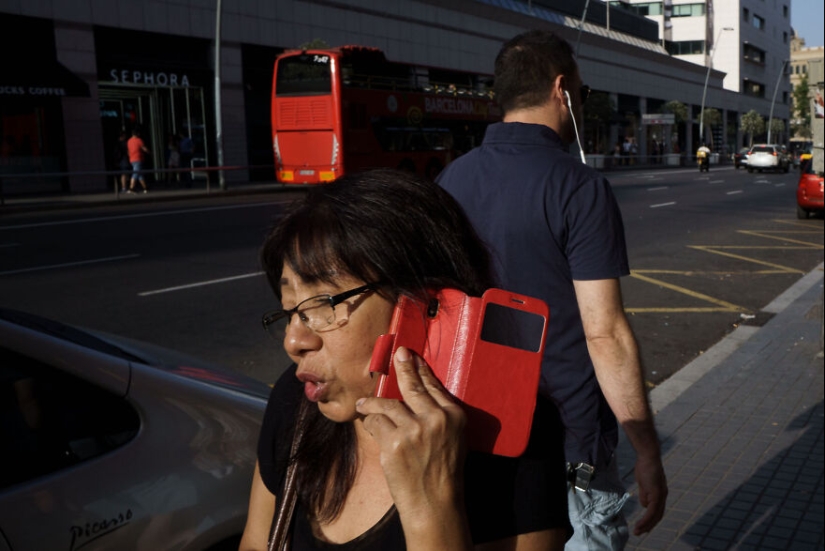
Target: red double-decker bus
[348, 109]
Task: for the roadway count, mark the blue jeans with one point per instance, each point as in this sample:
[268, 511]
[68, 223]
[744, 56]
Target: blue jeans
[596, 515]
[136, 168]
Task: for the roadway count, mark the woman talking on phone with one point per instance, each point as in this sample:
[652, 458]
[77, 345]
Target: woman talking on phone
[373, 473]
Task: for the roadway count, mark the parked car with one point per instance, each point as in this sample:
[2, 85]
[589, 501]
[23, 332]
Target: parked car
[767, 157]
[809, 191]
[740, 158]
[113, 444]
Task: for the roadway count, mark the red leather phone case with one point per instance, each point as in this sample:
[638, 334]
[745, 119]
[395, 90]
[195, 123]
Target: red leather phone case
[496, 382]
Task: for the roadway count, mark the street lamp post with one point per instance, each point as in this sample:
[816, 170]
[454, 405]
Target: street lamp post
[705, 89]
[775, 89]
[218, 117]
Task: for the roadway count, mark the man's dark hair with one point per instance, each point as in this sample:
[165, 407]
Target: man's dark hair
[383, 225]
[526, 67]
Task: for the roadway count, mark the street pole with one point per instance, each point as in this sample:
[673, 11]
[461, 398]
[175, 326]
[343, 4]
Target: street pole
[218, 118]
[705, 89]
[581, 24]
[775, 89]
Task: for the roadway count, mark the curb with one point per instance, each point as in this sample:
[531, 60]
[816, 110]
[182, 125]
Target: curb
[680, 381]
[672, 388]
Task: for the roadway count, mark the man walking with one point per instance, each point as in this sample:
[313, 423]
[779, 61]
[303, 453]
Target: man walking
[137, 156]
[556, 233]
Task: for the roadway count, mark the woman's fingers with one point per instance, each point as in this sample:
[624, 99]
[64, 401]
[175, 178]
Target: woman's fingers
[422, 392]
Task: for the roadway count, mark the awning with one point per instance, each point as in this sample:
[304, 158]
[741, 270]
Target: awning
[35, 78]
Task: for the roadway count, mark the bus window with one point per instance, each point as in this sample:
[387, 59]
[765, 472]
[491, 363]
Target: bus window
[303, 75]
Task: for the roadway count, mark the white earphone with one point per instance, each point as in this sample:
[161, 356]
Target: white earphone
[575, 128]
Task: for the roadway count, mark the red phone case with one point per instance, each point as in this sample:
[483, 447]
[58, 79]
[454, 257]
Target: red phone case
[496, 383]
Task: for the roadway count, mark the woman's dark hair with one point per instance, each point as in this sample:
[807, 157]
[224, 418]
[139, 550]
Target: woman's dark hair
[526, 67]
[383, 225]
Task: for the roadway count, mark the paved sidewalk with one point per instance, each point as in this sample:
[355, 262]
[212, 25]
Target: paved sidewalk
[742, 437]
[39, 203]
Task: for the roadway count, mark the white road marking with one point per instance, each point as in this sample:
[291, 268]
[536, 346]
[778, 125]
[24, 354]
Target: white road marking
[7, 245]
[70, 264]
[657, 188]
[141, 215]
[716, 182]
[198, 284]
[662, 205]
[779, 185]
[734, 192]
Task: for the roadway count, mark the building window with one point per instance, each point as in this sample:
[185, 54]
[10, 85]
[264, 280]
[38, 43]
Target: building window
[753, 54]
[746, 14]
[688, 10]
[754, 89]
[758, 22]
[686, 47]
[785, 38]
[643, 9]
[785, 12]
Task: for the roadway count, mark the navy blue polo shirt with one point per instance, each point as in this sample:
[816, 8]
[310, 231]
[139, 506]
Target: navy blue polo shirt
[548, 219]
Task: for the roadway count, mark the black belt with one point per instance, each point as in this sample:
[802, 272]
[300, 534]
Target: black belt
[580, 475]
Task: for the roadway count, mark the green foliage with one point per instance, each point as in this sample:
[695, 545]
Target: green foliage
[711, 116]
[599, 107]
[679, 110]
[802, 108]
[598, 112]
[314, 44]
[752, 123]
[777, 127]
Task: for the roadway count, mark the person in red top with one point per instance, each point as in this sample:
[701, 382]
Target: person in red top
[137, 154]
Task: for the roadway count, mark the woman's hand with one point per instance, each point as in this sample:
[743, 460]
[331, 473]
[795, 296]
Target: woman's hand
[422, 453]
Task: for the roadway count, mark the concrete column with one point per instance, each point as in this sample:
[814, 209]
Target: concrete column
[642, 137]
[81, 116]
[232, 108]
[614, 128]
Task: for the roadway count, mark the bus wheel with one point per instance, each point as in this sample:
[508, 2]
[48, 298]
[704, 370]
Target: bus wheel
[407, 165]
[434, 167]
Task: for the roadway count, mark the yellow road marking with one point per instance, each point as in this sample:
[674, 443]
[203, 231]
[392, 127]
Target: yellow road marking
[720, 272]
[725, 306]
[710, 249]
[698, 310]
[785, 239]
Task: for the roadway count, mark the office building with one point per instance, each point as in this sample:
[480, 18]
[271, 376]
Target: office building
[77, 72]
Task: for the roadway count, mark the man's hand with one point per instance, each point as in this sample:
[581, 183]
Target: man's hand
[650, 477]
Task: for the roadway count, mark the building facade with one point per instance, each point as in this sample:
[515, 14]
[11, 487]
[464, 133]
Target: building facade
[93, 69]
[801, 59]
[748, 40]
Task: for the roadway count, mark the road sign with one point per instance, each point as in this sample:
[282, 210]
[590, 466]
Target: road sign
[655, 118]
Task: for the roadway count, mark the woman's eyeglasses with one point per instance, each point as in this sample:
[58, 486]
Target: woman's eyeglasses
[316, 313]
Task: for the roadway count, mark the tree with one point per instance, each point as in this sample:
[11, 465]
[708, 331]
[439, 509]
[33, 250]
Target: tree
[679, 110]
[777, 127]
[710, 117]
[314, 44]
[801, 125]
[598, 112]
[752, 123]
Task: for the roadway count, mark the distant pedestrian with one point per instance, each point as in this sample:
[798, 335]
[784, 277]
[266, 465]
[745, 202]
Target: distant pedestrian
[137, 156]
[121, 163]
[187, 150]
[172, 158]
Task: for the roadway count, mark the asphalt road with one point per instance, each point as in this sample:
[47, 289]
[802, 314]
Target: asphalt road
[708, 252]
